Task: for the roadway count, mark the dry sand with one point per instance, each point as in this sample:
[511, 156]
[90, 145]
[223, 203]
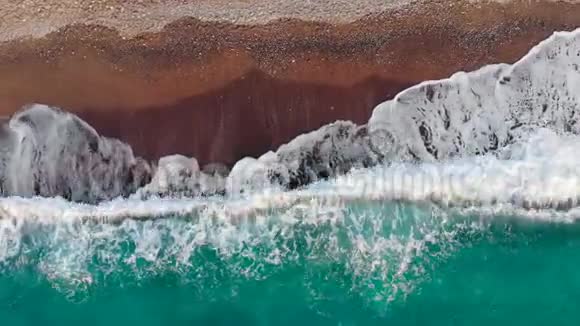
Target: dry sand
[37, 17]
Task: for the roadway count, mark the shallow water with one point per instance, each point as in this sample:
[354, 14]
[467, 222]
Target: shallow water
[354, 264]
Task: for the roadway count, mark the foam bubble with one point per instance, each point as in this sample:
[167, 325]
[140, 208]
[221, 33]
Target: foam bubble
[482, 111]
[48, 152]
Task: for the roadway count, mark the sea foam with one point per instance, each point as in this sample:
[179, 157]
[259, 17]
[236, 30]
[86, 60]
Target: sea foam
[485, 110]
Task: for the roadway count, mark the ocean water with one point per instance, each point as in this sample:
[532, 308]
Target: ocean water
[357, 250]
[471, 218]
[379, 263]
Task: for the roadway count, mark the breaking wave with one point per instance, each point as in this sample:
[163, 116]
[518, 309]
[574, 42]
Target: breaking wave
[48, 152]
[490, 113]
[485, 110]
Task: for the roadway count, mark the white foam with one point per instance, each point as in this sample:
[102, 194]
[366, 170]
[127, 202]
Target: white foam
[331, 150]
[481, 111]
[180, 176]
[48, 152]
[543, 172]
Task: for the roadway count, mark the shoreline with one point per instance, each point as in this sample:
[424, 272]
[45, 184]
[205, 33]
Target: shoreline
[219, 91]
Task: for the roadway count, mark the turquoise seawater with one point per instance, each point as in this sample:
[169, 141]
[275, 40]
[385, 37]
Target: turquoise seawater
[389, 263]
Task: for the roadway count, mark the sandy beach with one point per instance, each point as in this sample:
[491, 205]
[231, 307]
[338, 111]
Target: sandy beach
[221, 80]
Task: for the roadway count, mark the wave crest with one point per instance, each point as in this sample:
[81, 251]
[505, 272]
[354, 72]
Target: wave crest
[485, 110]
[48, 152]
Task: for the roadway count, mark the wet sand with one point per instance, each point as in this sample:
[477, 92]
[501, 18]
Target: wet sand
[220, 86]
